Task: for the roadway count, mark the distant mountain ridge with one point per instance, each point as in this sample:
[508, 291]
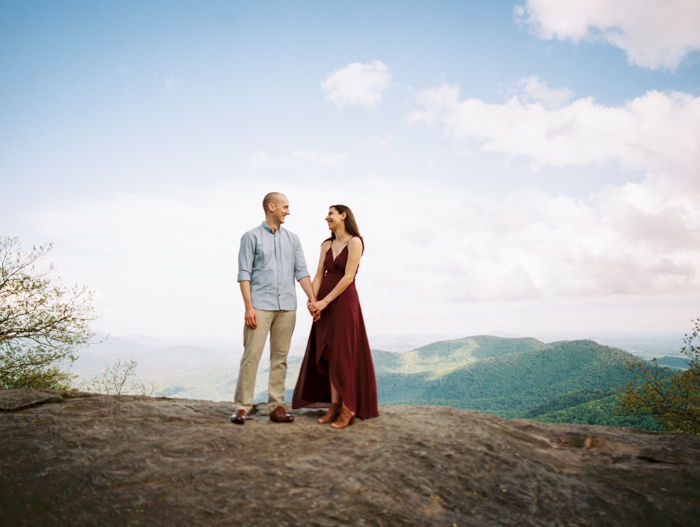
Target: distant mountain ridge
[678, 363]
[450, 354]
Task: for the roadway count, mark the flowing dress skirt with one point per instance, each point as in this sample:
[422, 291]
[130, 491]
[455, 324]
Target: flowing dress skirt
[338, 349]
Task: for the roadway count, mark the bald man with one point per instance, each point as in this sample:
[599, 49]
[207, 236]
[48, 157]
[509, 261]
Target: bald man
[269, 261]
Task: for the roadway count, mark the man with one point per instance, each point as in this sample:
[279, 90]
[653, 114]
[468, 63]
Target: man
[269, 261]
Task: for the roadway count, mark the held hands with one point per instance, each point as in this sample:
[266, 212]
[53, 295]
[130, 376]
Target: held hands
[316, 307]
[309, 303]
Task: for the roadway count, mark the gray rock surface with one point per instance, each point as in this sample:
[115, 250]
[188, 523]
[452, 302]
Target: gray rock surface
[77, 459]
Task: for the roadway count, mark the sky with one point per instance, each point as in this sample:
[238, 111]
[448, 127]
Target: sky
[528, 166]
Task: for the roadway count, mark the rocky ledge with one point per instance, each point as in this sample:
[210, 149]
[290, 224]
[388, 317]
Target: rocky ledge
[79, 459]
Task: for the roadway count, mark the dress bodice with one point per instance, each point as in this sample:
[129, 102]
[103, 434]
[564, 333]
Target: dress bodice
[337, 265]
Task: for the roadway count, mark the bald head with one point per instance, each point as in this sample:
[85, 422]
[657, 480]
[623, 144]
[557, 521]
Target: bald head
[274, 198]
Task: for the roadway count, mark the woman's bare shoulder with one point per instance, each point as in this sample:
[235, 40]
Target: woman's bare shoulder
[356, 244]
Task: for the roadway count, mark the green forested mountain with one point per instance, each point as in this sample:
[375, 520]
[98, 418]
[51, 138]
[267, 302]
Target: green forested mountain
[677, 363]
[568, 400]
[590, 407]
[511, 378]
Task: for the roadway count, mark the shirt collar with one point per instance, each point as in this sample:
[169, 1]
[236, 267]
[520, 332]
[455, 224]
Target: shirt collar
[269, 229]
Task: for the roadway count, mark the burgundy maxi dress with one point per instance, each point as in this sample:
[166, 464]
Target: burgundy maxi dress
[338, 349]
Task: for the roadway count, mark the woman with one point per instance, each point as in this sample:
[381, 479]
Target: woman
[337, 367]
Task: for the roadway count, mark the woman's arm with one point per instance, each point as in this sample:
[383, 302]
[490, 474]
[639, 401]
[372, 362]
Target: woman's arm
[319, 271]
[354, 255]
[316, 285]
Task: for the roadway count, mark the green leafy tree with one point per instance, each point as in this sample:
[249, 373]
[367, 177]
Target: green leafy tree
[672, 398]
[42, 324]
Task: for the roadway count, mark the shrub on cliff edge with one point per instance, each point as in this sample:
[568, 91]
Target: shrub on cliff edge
[672, 398]
[42, 323]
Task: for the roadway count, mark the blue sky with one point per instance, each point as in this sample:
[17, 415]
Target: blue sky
[528, 166]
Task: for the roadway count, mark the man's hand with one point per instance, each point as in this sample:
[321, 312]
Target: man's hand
[251, 317]
[314, 315]
[315, 308]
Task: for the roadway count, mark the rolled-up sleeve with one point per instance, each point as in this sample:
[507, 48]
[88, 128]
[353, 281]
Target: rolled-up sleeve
[245, 257]
[300, 270]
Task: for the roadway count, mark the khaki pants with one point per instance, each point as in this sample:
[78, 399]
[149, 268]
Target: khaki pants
[280, 326]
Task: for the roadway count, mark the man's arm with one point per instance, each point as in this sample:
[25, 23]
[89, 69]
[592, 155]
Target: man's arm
[301, 273]
[305, 284]
[251, 317]
[245, 269]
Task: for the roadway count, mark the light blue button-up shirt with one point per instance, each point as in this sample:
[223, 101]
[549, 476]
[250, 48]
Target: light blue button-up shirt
[271, 262]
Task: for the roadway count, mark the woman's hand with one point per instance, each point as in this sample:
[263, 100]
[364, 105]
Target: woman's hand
[315, 308]
[308, 306]
[315, 317]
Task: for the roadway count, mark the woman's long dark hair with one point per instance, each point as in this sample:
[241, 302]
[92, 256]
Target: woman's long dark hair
[350, 223]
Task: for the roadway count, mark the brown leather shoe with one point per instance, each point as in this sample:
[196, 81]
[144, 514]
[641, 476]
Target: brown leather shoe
[239, 417]
[279, 415]
[332, 414]
[346, 418]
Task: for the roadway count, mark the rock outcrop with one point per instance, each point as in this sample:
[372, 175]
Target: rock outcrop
[77, 459]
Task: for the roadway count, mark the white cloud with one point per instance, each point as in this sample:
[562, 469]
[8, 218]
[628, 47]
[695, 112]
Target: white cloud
[536, 90]
[332, 160]
[306, 155]
[657, 131]
[357, 84]
[635, 239]
[653, 33]
[263, 160]
[329, 160]
[165, 263]
[383, 142]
